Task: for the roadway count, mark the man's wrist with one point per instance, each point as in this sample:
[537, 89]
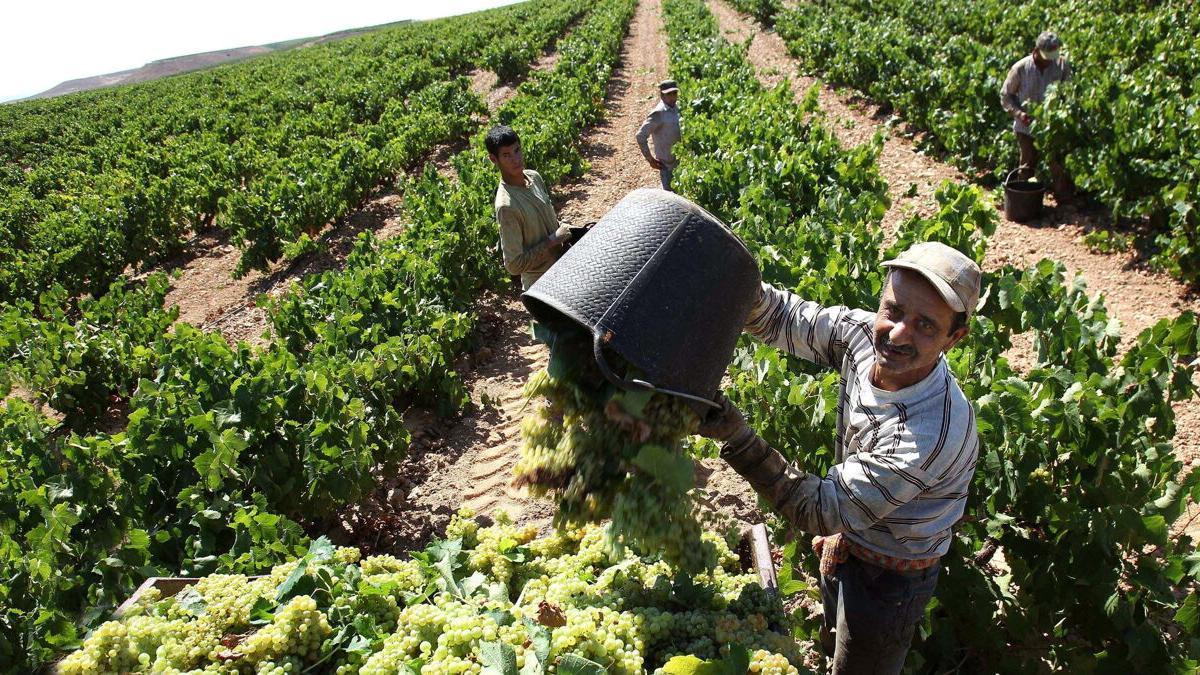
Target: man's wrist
[738, 441]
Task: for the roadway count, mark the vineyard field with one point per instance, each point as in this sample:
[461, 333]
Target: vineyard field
[134, 444]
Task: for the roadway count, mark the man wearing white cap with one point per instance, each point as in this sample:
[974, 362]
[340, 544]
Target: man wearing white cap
[662, 126]
[1027, 81]
[906, 447]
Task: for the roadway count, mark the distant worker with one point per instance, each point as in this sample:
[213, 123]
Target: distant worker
[662, 125]
[906, 447]
[531, 238]
[1027, 81]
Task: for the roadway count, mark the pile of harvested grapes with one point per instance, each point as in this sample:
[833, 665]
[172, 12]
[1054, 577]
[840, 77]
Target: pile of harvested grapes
[487, 598]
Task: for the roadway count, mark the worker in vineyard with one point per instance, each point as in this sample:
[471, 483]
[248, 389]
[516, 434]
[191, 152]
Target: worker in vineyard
[662, 127]
[531, 238]
[905, 448]
[1027, 81]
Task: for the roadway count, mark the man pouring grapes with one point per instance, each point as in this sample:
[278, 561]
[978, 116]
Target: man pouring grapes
[906, 446]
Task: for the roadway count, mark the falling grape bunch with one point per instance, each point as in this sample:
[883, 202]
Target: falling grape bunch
[606, 453]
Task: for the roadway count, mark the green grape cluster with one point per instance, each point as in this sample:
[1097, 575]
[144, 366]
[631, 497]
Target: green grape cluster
[583, 448]
[494, 548]
[120, 646]
[296, 631]
[464, 527]
[770, 663]
[381, 608]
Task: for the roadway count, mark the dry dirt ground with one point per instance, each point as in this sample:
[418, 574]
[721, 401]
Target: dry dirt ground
[617, 165]
[1135, 296]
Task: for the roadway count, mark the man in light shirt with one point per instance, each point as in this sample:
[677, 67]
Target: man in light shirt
[531, 238]
[662, 127]
[906, 447]
[1027, 81]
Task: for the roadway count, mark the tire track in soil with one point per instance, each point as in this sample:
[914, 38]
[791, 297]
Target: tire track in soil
[1132, 294]
[486, 440]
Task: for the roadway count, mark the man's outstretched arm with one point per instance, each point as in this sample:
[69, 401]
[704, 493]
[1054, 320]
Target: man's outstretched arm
[804, 328]
[854, 495]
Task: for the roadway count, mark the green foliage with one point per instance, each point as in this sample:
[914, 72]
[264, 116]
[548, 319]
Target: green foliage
[763, 11]
[1127, 122]
[1077, 482]
[1108, 241]
[86, 519]
[86, 356]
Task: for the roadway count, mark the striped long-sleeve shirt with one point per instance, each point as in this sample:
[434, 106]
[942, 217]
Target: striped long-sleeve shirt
[905, 458]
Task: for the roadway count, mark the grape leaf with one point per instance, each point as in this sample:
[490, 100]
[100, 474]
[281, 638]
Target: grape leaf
[675, 471]
[1188, 615]
[498, 658]
[574, 664]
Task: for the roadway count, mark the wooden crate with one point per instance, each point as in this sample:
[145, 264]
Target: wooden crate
[755, 552]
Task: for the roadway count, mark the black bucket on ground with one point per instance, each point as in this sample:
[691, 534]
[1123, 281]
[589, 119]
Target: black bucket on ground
[1023, 199]
[662, 284]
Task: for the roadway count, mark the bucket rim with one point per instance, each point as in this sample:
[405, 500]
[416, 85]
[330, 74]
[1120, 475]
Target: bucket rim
[1022, 186]
[1025, 187]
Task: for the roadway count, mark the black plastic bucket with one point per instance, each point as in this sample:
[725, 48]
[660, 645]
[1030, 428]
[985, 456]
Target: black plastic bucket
[1023, 199]
[661, 283]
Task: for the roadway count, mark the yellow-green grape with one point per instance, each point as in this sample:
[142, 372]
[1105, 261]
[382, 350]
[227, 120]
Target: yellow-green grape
[463, 526]
[121, 646]
[579, 448]
[346, 555]
[770, 663]
[495, 543]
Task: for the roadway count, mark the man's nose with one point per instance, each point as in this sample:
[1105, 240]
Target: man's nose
[900, 333]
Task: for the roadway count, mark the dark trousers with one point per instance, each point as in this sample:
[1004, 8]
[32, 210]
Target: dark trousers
[1063, 188]
[665, 175]
[871, 614]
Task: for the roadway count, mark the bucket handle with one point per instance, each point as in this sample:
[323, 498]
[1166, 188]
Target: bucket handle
[636, 384]
[1008, 178]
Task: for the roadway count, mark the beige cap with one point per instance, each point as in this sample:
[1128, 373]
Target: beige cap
[955, 276]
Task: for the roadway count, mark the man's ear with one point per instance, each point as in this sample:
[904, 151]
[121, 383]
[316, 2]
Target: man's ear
[957, 337]
[495, 160]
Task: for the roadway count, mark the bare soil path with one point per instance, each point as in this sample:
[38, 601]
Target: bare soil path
[1134, 295]
[486, 442]
[617, 165]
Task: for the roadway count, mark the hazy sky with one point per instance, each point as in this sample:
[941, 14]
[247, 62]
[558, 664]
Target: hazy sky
[44, 42]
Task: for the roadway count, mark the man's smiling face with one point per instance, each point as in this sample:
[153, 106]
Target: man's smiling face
[912, 330]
